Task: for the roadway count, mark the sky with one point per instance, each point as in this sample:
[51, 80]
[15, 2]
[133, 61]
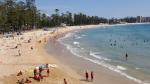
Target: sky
[102, 8]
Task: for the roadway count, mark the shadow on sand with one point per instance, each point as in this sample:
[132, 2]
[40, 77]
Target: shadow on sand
[85, 80]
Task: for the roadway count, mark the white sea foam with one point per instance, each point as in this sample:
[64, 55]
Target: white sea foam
[113, 68]
[82, 48]
[94, 55]
[77, 37]
[66, 36]
[83, 35]
[72, 50]
[76, 43]
[102, 63]
[121, 68]
[118, 69]
[97, 55]
[137, 68]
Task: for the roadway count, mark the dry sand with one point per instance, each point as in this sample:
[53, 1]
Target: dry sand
[11, 63]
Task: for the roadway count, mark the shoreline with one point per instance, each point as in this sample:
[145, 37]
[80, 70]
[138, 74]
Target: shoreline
[135, 80]
[29, 59]
[38, 54]
[63, 47]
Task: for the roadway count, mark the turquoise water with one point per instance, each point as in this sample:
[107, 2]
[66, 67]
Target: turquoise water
[107, 47]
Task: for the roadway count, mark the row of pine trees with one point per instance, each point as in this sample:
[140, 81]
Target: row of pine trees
[18, 15]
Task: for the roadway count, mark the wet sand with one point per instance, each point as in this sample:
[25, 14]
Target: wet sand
[69, 66]
[79, 65]
[12, 63]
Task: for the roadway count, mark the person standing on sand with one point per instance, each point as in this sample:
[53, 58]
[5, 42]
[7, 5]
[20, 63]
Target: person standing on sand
[31, 48]
[19, 53]
[65, 82]
[35, 71]
[40, 69]
[48, 72]
[92, 75]
[86, 76]
[41, 76]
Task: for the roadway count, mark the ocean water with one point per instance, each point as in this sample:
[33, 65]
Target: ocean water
[107, 47]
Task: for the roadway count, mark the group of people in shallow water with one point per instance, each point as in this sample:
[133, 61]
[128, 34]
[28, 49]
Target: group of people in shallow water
[89, 76]
[115, 44]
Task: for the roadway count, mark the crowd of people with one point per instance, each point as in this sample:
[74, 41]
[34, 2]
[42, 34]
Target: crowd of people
[124, 43]
[38, 75]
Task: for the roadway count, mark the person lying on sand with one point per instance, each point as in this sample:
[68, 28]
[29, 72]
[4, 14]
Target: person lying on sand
[28, 81]
[19, 74]
[21, 82]
[39, 41]
[36, 77]
[16, 47]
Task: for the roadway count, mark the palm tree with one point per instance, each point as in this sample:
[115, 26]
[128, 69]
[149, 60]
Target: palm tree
[57, 11]
[57, 18]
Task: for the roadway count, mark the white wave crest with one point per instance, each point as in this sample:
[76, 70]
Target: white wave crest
[66, 36]
[76, 43]
[77, 37]
[117, 69]
[121, 68]
[113, 68]
[96, 55]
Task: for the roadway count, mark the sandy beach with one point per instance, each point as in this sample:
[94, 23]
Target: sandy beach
[11, 63]
[74, 42]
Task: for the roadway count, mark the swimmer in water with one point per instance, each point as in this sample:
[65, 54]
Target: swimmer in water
[126, 56]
